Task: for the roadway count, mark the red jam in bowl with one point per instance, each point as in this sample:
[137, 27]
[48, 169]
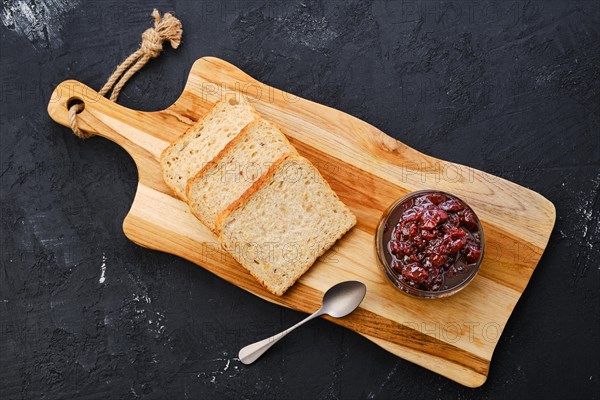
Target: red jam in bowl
[432, 242]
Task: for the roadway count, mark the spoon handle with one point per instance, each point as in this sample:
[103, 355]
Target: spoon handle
[253, 351]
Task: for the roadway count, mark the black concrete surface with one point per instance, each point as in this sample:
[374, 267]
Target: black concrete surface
[509, 87]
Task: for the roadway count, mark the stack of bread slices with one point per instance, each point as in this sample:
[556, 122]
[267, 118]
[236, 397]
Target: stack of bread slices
[270, 208]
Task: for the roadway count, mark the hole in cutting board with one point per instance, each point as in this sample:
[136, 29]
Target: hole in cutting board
[73, 101]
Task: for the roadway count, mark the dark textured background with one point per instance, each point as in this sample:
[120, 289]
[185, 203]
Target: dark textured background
[509, 87]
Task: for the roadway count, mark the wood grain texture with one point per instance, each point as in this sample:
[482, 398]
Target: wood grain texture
[454, 337]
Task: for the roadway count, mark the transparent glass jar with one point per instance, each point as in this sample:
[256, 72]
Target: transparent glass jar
[383, 236]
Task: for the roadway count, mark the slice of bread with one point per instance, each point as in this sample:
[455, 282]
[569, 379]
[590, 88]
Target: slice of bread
[203, 141]
[245, 159]
[283, 222]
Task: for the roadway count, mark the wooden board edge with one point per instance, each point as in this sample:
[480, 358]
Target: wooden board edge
[466, 377]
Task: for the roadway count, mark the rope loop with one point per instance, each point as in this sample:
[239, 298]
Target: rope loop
[166, 28]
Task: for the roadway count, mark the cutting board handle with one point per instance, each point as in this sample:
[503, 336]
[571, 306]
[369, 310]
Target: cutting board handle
[141, 134]
[68, 92]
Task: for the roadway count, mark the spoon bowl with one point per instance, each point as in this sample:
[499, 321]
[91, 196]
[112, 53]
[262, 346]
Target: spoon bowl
[343, 298]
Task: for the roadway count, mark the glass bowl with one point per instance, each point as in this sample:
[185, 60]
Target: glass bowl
[456, 272]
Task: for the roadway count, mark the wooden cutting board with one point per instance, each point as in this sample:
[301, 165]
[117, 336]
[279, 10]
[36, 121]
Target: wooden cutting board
[455, 336]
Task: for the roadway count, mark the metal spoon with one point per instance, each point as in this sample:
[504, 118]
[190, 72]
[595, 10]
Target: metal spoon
[339, 301]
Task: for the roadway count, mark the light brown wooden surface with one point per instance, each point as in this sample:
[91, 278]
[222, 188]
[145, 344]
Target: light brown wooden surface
[454, 337]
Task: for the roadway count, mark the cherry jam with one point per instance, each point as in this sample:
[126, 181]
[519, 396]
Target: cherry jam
[435, 243]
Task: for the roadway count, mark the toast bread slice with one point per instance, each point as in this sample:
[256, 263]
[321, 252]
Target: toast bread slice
[204, 140]
[283, 223]
[241, 163]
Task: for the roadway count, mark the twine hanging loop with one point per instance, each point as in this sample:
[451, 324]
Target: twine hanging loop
[166, 28]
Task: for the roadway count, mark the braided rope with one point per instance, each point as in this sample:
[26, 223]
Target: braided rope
[165, 28]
